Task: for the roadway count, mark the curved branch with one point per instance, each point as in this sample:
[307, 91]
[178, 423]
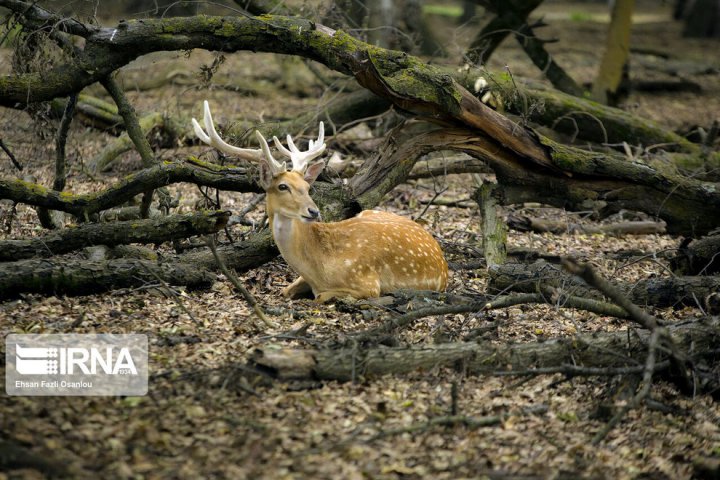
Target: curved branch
[191, 170]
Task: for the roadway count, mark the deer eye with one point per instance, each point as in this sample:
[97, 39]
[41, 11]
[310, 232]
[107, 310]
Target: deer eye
[283, 187]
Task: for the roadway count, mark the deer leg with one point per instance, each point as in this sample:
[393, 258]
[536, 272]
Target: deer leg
[323, 297]
[298, 289]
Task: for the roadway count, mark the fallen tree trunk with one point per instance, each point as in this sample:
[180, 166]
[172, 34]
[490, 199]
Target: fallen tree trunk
[602, 351]
[699, 257]
[253, 252]
[607, 183]
[575, 116]
[156, 231]
[658, 292]
[544, 225]
[83, 277]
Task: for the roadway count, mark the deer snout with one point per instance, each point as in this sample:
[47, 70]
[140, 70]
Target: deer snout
[312, 215]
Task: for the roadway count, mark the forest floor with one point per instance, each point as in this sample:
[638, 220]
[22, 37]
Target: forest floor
[193, 423]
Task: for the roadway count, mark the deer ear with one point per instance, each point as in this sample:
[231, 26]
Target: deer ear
[266, 176]
[313, 171]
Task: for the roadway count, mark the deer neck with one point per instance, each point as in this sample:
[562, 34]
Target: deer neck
[295, 239]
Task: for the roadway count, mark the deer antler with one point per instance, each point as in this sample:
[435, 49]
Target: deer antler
[300, 160]
[213, 139]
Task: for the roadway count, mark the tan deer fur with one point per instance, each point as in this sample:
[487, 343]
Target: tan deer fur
[366, 256]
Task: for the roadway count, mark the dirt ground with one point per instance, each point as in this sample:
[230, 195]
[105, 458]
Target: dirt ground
[198, 421]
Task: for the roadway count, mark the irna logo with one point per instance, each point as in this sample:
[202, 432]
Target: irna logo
[69, 361]
[76, 364]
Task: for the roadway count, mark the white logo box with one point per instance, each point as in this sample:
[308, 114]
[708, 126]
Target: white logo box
[72, 364]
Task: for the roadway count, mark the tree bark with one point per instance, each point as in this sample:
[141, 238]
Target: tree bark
[658, 292]
[699, 257]
[509, 17]
[156, 231]
[617, 50]
[494, 229]
[597, 350]
[82, 277]
[191, 170]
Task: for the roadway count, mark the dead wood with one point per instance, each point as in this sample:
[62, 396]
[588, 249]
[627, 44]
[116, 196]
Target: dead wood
[253, 252]
[494, 229]
[157, 230]
[698, 257]
[249, 298]
[84, 277]
[603, 350]
[611, 181]
[577, 117]
[190, 170]
[171, 130]
[508, 17]
[657, 292]
[455, 304]
[46, 217]
[535, 49]
[91, 111]
[544, 225]
[438, 168]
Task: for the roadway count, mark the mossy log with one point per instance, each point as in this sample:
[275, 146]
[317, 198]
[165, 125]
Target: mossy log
[190, 170]
[657, 292]
[157, 230]
[578, 117]
[606, 183]
[242, 256]
[598, 350]
[83, 277]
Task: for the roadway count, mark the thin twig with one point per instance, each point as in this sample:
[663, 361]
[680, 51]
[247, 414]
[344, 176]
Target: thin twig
[249, 298]
[591, 277]
[60, 142]
[402, 321]
[174, 295]
[10, 154]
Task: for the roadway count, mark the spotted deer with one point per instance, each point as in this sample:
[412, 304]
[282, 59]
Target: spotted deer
[365, 256]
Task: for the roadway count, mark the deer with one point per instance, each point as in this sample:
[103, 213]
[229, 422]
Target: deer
[366, 256]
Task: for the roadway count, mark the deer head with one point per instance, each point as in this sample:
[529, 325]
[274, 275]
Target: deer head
[288, 191]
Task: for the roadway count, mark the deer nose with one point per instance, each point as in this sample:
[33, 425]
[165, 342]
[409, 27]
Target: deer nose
[313, 213]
